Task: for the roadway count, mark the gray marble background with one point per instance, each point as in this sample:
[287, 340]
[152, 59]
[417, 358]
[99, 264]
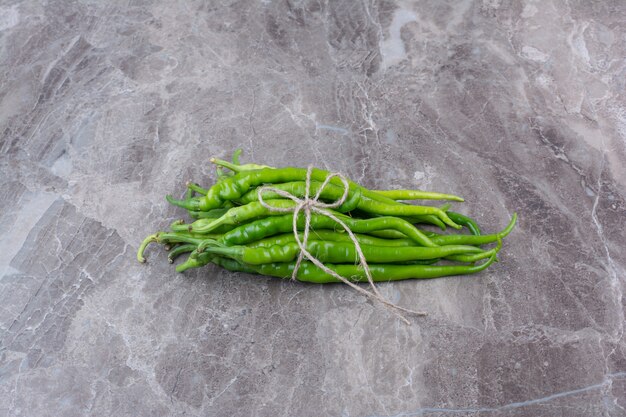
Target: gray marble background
[106, 106]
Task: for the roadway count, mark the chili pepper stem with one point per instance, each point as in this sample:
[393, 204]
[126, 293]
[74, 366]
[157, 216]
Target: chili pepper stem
[508, 228]
[195, 187]
[188, 264]
[190, 204]
[221, 174]
[189, 194]
[164, 237]
[152, 238]
[179, 250]
[208, 244]
[236, 156]
[205, 228]
[231, 252]
[235, 167]
[225, 164]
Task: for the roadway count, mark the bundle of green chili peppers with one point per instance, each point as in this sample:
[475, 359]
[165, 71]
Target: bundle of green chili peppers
[233, 229]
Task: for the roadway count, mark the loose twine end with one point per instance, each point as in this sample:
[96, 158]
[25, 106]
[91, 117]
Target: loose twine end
[313, 205]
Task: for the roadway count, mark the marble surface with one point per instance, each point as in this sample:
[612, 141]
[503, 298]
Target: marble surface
[107, 106]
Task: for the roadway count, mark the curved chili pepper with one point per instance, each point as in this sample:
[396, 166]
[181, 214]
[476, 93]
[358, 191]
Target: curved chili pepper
[164, 237]
[169, 238]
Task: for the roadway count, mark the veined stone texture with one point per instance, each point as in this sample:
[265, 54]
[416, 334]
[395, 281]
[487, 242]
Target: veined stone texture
[106, 106]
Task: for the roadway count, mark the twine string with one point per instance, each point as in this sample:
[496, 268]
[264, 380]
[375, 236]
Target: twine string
[310, 205]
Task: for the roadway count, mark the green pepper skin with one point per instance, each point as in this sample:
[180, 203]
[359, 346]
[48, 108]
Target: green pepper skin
[427, 219]
[270, 226]
[465, 221]
[339, 252]
[233, 188]
[165, 238]
[240, 215]
[332, 236]
[207, 258]
[329, 193]
[355, 201]
[380, 272]
[442, 240]
[211, 214]
[475, 239]
[179, 250]
[416, 195]
[234, 216]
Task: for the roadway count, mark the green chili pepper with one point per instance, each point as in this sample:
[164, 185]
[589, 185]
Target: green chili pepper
[236, 167]
[471, 258]
[195, 187]
[311, 273]
[429, 218]
[164, 237]
[169, 238]
[270, 226]
[387, 234]
[260, 240]
[207, 258]
[335, 252]
[443, 240]
[217, 228]
[235, 187]
[387, 194]
[179, 250]
[234, 216]
[235, 163]
[211, 214]
[330, 236]
[333, 193]
[298, 188]
[240, 215]
[416, 195]
[465, 221]
[474, 239]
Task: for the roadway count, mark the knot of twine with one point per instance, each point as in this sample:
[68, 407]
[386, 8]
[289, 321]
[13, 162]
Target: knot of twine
[314, 205]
